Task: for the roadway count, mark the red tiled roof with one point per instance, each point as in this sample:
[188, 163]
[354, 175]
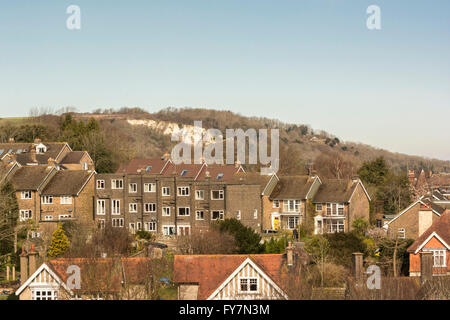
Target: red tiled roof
[214, 170]
[441, 227]
[210, 271]
[191, 170]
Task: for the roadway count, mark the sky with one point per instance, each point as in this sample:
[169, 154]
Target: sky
[305, 61]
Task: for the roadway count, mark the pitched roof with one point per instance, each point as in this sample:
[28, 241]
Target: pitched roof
[210, 271]
[335, 190]
[30, 178]
[73, 157]
[219, 172]
[67, 182]
[190, 170]
[251, 178]
[22, 151]
[134, 165]
[292, 187]
[441, 228]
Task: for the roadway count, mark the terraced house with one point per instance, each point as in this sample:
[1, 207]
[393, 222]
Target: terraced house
[171, 200]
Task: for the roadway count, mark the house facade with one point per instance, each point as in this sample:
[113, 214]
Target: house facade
[436, 239]
[229, 277]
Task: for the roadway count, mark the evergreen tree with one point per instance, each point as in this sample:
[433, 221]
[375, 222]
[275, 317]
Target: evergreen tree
[247, 240]
[60, 243]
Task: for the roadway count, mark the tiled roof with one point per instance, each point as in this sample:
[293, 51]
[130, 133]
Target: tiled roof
[142, 164]
[22, 151]
[29, 178]
[219, 172]
[67, 182]
[182, 170]
[73, 157]
[441, 227]
[251, 178]
[334, 190]
[210, 271]
[292, 187]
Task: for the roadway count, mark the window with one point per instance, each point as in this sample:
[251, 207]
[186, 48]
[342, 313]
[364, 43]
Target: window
[335, 209]
[64, 216]
[116, 184]
[25, 215]
[335, 225]
[184, 211]
[183, 173]
[166, 191]
[217, 215]
[85, 165]
[292, 222]
[101, 207]
[217, 194]
[100, 184]
[276, 203]
[117, 222]
[25, 195]
[48, 218]
[150, 226]
[132, 207]
[47, 200]
[199, 215]
[149, 187]
[291, 205]
[401, 234]
[238, 214]
[169, 230]
[199, 195]
[255, 214]
[318, 207]
[138, 225]
[166, 211]
[183, 191]
[44, 294]
[150, 207]
[116, 207]
[439, 260]
[133, 188]
[66, 200]
[248, 285]
[101, 223]
[340, 208]
[132, 228]
[379, 223]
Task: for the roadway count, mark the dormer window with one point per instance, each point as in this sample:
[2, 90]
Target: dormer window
[220, 176]
[41, 148]
[183, 173]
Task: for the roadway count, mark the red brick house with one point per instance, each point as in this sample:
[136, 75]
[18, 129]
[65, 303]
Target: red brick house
[437, 240]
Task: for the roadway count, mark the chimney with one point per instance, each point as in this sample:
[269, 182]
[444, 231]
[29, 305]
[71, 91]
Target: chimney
[32, 260]
[207, 174]
[425, 218]
[33, 154]
[51, 162]
[290, 254]
[357, 267]
[23, 266]
[166, 156]
[426, 266]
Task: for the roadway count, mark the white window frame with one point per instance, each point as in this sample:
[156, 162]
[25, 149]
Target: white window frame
[132, 227]
[47, 200]
[183, 191]
[133, 207]
[100, 184]
[48, 218]
[65, 200]
[115, 209]
[165, 211]
[149, 207]
[292, 205]
[39, 293]
[117, 222]
[165, 191]
[186, 209]
[117, 184]
[25, 214]
[149, 187]
[64, 216]
[248, 282]
[148, 224]
[319, 207]
[168, 227]
[221, 195]
[276, 204]
[335, 225]
[255, 214]
[197, 215]
[132, 187]
[26, 195]
[238, 214]
[401, 233]
[101, 204]
[295, 220]
[199, 194]
[441, 254]
[101, 223]
[221, 215]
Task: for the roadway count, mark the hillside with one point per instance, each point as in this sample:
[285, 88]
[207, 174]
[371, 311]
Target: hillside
[133, 133]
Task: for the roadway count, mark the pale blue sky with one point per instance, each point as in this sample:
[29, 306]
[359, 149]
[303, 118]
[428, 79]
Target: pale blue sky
[311, 62]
